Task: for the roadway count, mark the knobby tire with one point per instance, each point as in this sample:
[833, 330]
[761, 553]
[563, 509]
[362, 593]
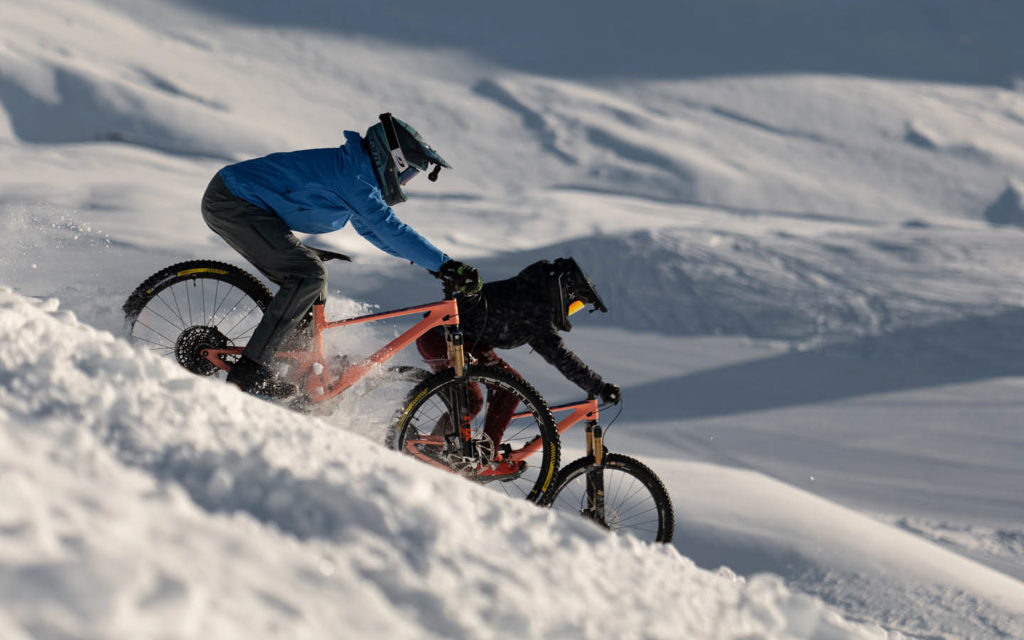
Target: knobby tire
[428, 404]
[636, 500]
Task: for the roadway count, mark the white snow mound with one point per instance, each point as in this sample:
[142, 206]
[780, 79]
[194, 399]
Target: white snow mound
[140, 500]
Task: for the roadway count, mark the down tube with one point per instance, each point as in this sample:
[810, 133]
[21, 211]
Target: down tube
[436, 317]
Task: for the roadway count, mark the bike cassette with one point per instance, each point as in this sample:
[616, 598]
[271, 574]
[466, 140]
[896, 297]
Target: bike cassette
[188, 348]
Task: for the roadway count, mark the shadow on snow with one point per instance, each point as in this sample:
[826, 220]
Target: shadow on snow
[968, 350]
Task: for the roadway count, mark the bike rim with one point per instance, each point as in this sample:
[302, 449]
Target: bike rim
[629, 505]
[432, 417]
[196, 302]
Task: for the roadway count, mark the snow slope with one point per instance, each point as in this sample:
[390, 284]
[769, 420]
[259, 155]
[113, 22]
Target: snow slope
[139, 506]
[809, 248]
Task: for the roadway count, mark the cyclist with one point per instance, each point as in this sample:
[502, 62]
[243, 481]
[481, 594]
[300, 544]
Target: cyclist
[255, 206]
[530, 308]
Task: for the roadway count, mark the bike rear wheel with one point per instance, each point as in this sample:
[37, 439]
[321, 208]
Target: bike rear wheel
[530, 437]
[635, 499]
[192, 305]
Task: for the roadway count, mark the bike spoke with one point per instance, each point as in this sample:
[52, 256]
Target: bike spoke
[519, 434]
[435, 415]
[170, 342]
[157, 346]
[231, 310]
[243, 336]
[173, 290]
[215, 302]
[177, 305]
[172, 310]
[629, 506]
[247, 332]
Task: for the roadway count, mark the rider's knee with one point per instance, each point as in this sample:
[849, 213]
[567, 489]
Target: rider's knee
[312, 271]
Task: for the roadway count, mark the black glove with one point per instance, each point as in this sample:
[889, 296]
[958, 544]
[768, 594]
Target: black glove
[610, 393]
[465, 278]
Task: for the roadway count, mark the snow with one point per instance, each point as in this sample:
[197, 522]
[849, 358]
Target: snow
[137, 506]
[805, 227]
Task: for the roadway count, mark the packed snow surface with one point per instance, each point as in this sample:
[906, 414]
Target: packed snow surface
[804, 217]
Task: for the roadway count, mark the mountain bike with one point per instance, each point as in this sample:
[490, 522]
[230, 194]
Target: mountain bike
[617, 492]
[202, 312]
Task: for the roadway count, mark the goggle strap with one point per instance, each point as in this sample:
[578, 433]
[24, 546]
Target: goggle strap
[392, 136]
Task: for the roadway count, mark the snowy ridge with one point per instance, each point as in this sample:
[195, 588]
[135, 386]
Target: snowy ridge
[698, 142]
[97, 437]
[841, 283]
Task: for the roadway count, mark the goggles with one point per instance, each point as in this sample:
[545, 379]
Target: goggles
[405, 176]
[574, 306]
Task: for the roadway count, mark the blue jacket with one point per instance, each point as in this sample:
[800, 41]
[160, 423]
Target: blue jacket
[319, 190]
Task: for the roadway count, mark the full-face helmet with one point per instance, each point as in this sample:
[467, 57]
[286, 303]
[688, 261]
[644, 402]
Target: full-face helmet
[563, 284]
[399, 154]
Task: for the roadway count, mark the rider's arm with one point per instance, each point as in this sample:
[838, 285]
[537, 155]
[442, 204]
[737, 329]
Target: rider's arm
[551, 347]
[377, 222]
[370, 236]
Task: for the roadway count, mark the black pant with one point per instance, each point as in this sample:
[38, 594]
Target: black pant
[266, 241]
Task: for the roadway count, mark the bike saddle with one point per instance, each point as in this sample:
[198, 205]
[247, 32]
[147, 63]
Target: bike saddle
[326, 255]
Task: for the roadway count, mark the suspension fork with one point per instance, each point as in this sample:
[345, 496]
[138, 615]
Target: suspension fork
[595, 478]
[460, 397]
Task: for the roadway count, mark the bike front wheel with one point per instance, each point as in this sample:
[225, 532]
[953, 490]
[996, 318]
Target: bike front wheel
[635, 500]
[524, 461]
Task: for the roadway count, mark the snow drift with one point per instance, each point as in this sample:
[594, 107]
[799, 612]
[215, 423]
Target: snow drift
[103, 447]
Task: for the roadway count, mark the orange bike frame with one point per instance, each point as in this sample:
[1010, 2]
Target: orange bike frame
[320, 383]
[586, 410]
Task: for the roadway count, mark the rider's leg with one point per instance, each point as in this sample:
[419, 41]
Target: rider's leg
[266, 241]
[501, 404]
[434, 349]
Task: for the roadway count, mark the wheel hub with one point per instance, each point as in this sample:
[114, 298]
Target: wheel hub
[188, 348]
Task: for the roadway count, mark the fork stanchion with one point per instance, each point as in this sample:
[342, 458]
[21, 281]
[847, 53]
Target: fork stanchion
[457, 352]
